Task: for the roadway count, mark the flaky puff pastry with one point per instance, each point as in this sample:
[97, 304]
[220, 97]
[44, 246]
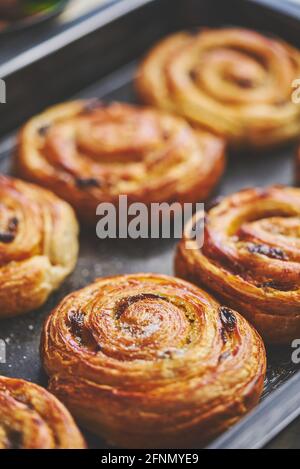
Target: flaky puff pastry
[152, 361]
[38, 245]
[88, 152]
[32, 418]
[235, 82]
[251, 258]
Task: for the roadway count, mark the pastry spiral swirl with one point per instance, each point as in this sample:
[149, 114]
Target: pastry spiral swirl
[32, 418]
[88, 152]
[235, 82]
[38, 245]
[251, 258]
[147, 360]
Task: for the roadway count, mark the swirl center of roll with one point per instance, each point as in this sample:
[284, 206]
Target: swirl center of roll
[147, 326]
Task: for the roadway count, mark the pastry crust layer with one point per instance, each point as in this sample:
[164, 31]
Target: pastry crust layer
[234, 82]
[38, 245]
[251, 258]
[147, 360]
[32, 418]
[88, 152]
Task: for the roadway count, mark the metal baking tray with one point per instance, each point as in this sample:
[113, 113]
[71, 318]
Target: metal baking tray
[98, 57]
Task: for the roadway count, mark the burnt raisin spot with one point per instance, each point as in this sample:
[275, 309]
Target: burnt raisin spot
[9, 235]
[44, 130]
[81, 333]
[126, 302]
[76, 319]
[228, 321]
[7, 238]
[86, 183]
[245, 83]
[273, 253]
[275, 285]
[193, 75]
[13, 224]
[270, 284]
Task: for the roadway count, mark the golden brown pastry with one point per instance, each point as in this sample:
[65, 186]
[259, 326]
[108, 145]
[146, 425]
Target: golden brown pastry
[32, 418]
[235, 82]
[88, 152]
[152, 361]
[38, 245]
[251, 258]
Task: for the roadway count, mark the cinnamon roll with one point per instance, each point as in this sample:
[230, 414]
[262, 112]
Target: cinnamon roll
[88, 152]
[251, 258]
[235, 82]
[38, 245]
[32, 418]
[148, 360]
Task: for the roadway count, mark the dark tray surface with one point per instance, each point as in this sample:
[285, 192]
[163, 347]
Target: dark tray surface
[98, 258]
[104, 258]
[19, 40]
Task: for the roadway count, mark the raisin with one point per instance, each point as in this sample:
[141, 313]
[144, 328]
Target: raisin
[244, 83]
[273, 253]
[44, 130]
[85, 183]
[228, 321]
[76, 319]
[9, 235]
[81, 332]
[13, 224]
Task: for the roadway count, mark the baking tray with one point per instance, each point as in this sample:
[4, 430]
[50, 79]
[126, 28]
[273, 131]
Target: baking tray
[99, 58]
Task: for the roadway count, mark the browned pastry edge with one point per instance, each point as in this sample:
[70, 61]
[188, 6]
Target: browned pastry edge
[146, 154]
[32, 418]
[38, 245]
[233, 81]
[252, 266]
[148, 360]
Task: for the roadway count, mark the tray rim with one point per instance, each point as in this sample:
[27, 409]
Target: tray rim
[285, 399]
[241, 432]
[105, 15]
